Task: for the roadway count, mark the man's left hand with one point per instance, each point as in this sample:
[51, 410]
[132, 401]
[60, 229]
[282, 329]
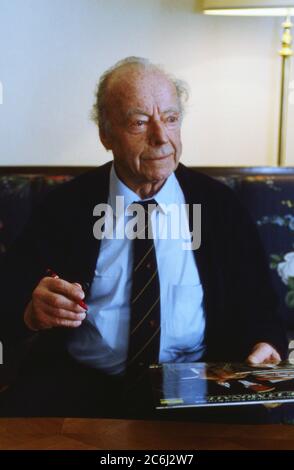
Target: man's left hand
[263, 353]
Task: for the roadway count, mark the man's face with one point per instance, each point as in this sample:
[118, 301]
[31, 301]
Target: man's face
[144, 126]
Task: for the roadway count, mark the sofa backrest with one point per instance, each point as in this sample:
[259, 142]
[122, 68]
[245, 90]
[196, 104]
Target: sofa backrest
[268, 194]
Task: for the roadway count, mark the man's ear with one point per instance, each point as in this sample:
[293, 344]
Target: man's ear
[105, 140]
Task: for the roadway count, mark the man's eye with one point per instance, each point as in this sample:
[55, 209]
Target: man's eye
[139, 123]
[172, 119]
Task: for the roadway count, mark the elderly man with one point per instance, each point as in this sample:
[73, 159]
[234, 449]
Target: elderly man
[116, 304]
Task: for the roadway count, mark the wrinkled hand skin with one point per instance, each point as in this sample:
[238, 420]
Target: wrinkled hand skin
[55, 303]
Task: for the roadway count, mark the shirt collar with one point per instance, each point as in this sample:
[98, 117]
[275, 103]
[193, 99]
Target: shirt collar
[168, 193]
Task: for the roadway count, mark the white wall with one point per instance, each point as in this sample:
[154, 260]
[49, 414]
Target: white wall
[53, 51]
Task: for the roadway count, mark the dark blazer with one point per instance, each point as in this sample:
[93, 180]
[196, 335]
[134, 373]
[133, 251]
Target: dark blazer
[240, 304]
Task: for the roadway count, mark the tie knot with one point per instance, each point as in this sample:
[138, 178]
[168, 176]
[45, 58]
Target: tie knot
[143, 225]
[149, 205]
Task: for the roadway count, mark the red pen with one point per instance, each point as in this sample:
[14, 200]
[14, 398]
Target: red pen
[51, 273]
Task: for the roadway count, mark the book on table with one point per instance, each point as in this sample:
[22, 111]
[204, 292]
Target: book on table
[200, 384]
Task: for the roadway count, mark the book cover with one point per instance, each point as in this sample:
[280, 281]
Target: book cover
[180, 385]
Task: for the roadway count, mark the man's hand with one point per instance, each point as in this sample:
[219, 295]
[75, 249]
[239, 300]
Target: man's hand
[263, 353]
[55, 304]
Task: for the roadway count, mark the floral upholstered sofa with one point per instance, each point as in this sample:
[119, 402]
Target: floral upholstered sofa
[267, 192]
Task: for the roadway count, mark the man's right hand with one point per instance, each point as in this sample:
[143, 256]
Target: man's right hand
[55, 304]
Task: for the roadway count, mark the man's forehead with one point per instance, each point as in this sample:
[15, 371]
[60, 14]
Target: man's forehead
[139, 80]
[137, 86]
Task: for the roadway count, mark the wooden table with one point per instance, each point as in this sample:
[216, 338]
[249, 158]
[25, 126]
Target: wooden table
[111, 434]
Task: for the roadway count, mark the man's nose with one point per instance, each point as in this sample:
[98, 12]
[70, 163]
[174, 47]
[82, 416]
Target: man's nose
[157, 133]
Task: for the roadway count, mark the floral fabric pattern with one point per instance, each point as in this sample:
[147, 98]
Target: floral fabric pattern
[270, 200]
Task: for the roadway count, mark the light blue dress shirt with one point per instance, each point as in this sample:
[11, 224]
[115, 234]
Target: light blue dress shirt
[102, 339]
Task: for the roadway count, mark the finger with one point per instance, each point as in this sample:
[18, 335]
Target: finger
[259, 354]
[64, 314]
[61, 302]
[46, 321]
[275, 358]
[258, 357]
[77, 284]
[53, 275]
[67, 289]
[63, 322]
[263, 353]
[58, 301]
[255, 358]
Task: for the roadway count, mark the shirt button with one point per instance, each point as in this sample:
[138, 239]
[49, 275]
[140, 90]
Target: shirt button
[152, 323]
[149, 265]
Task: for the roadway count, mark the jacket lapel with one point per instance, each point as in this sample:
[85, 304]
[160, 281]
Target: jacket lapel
[84, 247]
[196, 192]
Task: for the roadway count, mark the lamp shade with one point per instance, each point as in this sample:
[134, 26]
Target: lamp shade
[249, 7]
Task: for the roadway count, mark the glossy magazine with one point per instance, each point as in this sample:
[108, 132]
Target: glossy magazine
[200, 384]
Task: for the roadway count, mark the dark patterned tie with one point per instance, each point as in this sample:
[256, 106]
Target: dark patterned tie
[144, 341]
